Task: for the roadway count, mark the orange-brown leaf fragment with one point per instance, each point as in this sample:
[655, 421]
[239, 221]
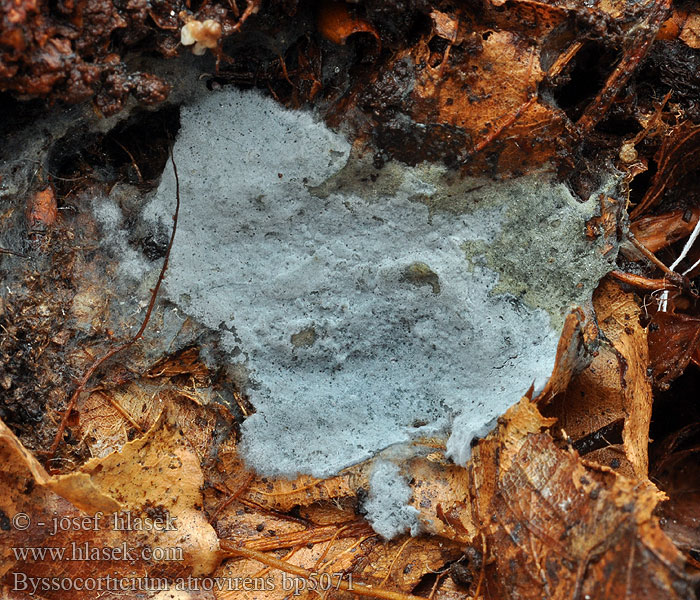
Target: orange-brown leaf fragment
[673, 339]
[42, 210]
[337, 23]
[445, 25]
[659, 231]
[682, 24]
[569, 351]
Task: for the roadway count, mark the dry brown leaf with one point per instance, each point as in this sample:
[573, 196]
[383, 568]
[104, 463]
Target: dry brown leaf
[361, 560]
[673, 339]
[161, 472]
[404, 561]
[659, 231]
[678, 155]
[535, 17]
[445, 25]
[470, 94]
[76, 488]
[500, 80]
[9, 594]
[556, 527]
[442, 497]
[26, 494]
[611, 8]
[675, 471]
[683, 24]
[614, 386]
[259, 526]
[109, 418]
[156, 477]
[186, 363]
[280, 494]
[619, 318]
[690, 31]
[106, 417]
[283, 494]
[569, 357]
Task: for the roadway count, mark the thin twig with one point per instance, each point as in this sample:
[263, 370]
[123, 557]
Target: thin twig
[482, 571]
[643, 283]
[393, 562]
[504, 125]
[121, 410]
[251, 8]
[687, 247]
[672, 275]
[133, 161]
[296, 490]
[440, 576]
[90, 372]
[564, 59]
[12, 252]
[232, 497]
[266, 569]
[330, 543]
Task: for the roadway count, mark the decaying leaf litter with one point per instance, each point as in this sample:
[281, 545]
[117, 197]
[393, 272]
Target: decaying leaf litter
[564, 498]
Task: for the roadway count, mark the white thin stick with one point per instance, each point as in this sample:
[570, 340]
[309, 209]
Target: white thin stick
[688, 246]
[695, 264]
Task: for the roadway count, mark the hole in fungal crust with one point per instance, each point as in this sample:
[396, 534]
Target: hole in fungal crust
[135, 151]
[591, 67]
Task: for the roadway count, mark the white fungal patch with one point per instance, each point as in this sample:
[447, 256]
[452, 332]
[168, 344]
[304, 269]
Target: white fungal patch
[364, 318]
[387, 508]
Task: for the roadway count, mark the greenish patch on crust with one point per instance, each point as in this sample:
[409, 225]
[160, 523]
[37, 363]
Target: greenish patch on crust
[419, 273]
[531, 230]
[304, 338]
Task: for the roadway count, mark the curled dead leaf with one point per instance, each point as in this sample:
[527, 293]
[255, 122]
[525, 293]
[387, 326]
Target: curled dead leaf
[337, 23]
[678, 155]
[557, 527]
[659, 231]
[614, 386]
[155, 479]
